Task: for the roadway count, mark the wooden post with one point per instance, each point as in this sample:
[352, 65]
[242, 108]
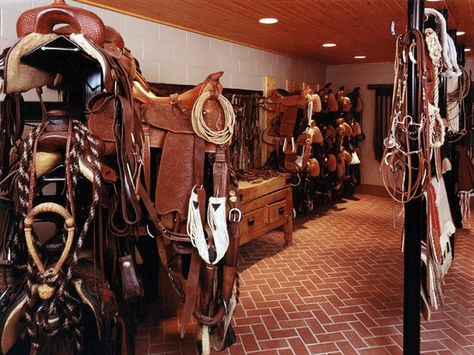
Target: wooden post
[415, 223]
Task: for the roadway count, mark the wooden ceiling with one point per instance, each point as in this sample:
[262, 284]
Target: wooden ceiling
[358, 27]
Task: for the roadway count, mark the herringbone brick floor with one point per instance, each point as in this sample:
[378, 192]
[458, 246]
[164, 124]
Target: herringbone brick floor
[337, 289]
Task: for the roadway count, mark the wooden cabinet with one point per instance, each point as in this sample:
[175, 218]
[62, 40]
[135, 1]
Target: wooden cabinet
[265, 206]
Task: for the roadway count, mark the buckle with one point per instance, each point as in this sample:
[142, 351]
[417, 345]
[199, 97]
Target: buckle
[235, 215]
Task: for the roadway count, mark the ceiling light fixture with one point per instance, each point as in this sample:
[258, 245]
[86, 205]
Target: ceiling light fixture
[433, 0]
[460, 33]
[467, 49]
[268, 20]
[328, 45]
[360, 57]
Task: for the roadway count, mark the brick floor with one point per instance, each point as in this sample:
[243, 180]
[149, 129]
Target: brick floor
[337, 289]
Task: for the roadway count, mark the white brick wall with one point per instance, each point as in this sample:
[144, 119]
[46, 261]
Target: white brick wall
[352, 75]
[171, 55]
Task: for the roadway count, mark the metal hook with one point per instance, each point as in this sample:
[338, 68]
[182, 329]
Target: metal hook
[392, 29]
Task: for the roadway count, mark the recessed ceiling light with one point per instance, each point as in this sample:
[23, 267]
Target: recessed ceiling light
[360, 57]
[467, 49]
[268, 20]
[460, 33]
[327, 45]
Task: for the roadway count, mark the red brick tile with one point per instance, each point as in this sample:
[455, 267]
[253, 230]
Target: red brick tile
[270, 322]
[300, 315]
[337, 327]
[322, 317]
[374, 351]
[294, 323]
[283, 333]
[381, 340]
[236, 349]
[265, 352]
[361, 329]
[258, 312]
[279, 314]
[355, 339]
[330, 337]
[249, 342]
[433, 335]
[260, 332]
[242, 329]
[432, 345]
[315, 326]
[298, 346]
[346, 318]
[273, 344]
[458, 338]
[249, 320]
[346, 348]
[394, 350]
[322, 348]
[306, 335]
[368, 321]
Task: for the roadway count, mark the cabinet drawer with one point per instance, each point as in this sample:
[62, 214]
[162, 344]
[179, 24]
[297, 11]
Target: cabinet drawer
[252, 223]
[276, 211]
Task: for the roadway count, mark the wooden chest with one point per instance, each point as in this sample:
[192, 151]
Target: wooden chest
[265, 206]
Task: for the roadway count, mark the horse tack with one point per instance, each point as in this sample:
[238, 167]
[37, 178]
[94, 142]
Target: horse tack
[44, 290]
[169, 118]
[130, 122]
[297, 150]
[42, 20]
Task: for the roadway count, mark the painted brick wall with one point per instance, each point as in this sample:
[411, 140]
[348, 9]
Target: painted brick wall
[170, 55]
[352, 75]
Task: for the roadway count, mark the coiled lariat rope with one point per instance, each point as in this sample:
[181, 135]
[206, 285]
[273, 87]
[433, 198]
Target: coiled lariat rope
[201, 128]
[59, 307]
[437, 130]
[450, 65]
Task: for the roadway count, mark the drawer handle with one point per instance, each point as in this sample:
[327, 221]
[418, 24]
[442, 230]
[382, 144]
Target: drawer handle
[250, 222]
[281, 210]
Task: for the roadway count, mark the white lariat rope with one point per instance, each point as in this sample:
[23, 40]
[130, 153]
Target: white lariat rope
[200, 127]
[449, 57]
[217, 221]
[194, 226]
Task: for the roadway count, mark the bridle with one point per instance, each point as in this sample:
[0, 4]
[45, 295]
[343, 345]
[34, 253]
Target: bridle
[407, 149]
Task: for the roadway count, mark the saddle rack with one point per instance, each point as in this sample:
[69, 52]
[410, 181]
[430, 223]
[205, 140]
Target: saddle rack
[63, 56]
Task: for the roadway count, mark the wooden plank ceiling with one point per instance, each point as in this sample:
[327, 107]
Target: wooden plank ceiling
[358, 27]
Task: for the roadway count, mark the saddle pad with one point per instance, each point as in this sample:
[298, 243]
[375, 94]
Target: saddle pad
[175, 175]
[20, 77]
